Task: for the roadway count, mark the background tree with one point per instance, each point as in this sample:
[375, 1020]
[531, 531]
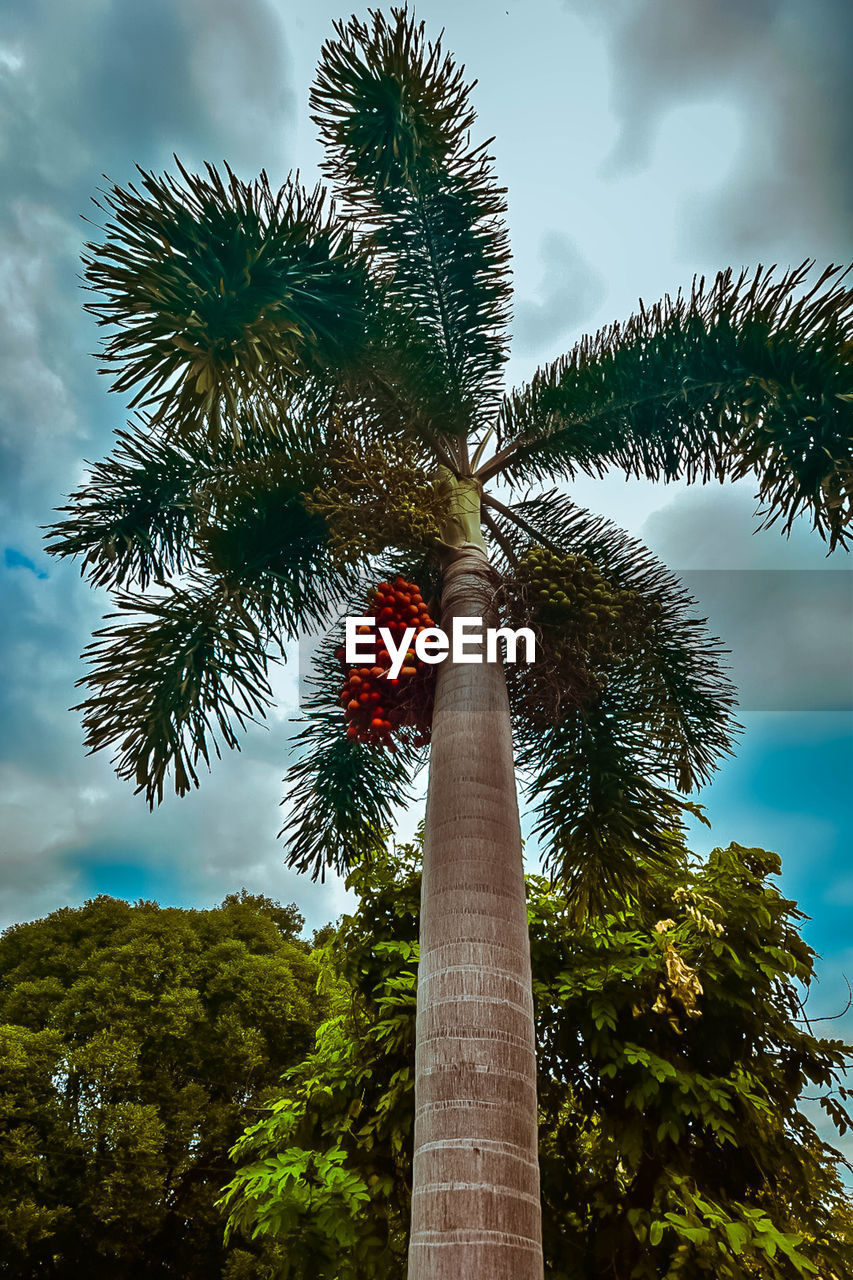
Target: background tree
[136, 1044]
[673, 1049]
[276, 347]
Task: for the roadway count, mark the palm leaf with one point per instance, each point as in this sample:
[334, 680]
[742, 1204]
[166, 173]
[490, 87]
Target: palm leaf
[230, 513]
[341, 794]
[133, 519]
[606, 828]
[395, 117]
[747, 376]
[262, 542]
[223, 297]
[669, 676]
[171, 677]
[602, 756]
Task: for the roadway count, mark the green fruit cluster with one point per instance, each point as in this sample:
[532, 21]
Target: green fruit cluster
[377, 498]
[576, 608]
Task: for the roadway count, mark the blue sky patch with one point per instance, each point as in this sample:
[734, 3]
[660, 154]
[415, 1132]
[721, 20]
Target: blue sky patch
[14, 559]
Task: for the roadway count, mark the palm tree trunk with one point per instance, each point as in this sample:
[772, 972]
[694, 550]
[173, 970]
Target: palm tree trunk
[475, 1198]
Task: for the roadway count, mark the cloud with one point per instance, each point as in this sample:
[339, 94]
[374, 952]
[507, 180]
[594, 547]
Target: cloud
[569, 292]
[783, 609]
[716, 527]
[106, 85]
[787, 66]
[86, 89]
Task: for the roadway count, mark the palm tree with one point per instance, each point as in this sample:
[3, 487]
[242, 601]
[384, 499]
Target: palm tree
[319, 403]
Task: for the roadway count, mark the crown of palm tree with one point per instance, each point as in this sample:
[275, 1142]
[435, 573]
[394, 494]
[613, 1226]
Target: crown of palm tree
[269, 340]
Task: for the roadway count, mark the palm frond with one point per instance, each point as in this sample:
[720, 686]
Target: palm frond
[341, 794]
[669, 678]
[606, 828]
[745, 376]
[234, 514]
[606, 738]
[171, 677]
[395, 116]
[260, 538]
[223, 296]
[133, 520]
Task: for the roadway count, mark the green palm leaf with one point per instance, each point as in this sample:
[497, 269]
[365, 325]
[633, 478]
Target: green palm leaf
[224, 297]
[341, 795]
[604, 748]
[747, 376]
[171, 677]
[669, 676]
[231, 514]
[605, 826]
[134, 518]
[395, 117]
[261, 541]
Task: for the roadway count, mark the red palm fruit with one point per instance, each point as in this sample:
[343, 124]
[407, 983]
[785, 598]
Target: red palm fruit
[376, 723]
[353, 706]
[408, 671]
[364, 698]
[352, 732]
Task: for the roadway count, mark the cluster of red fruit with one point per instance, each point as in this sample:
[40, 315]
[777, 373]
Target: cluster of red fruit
[377, 706]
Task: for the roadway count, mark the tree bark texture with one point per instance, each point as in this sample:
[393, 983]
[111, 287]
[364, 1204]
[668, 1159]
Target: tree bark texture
[475, 1201]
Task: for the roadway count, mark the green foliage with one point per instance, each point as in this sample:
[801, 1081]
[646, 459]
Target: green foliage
[176, 673]
[133, 520]
[177, 670]
[224, 296]
[672, 1053]
[395, 118]
[347, 1108]
[341, 793]
[747, 376]
[135, 1044]
[674, 1032]
[628, 704]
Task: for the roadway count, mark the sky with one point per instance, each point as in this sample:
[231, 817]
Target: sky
[641, 143]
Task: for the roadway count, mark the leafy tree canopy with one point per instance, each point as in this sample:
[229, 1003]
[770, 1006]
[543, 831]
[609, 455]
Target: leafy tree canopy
[135, 1044]
[673, 1051]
